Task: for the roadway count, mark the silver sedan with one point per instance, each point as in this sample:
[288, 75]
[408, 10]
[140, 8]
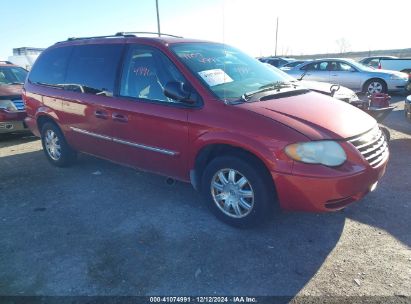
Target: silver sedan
[351, 74]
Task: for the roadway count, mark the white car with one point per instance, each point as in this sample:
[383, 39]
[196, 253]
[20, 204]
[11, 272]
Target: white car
[336, 91]
[399, 64]
[351, 74]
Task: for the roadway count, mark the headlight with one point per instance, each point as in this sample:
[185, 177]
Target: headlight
[8, 105]
[325, 152]
[399, 77]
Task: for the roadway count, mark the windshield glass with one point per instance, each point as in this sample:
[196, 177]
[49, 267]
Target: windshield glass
[12, 75]
[293, 64]
[358, 65]
[226, 71]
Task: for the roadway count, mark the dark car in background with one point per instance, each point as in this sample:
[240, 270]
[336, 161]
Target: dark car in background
[12, 109]
[293, 64]
[277, 61]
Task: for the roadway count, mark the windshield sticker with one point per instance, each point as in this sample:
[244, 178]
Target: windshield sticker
[215, 77]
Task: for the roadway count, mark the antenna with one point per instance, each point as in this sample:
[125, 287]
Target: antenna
[158, 20]
[276, 37]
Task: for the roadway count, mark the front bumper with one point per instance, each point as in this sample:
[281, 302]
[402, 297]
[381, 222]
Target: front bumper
[12, 127]
[397, 85]
[322, 194]
[12, 122]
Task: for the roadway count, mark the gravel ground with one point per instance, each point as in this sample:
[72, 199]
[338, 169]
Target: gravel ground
[101, 229]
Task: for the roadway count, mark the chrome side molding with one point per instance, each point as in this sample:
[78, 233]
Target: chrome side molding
[124, 142]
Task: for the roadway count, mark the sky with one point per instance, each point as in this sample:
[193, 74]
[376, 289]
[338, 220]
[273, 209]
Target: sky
[305, 27]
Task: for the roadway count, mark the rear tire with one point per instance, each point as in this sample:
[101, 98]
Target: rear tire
[239, 192]
[57, 151]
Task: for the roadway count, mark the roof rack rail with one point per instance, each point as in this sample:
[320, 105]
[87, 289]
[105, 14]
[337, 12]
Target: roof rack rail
[6, 62]
[96, 37]
[121, 34]
[152, 33]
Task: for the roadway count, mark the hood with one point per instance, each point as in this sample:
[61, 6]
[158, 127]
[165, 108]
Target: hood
[11, 90]
[315, 115]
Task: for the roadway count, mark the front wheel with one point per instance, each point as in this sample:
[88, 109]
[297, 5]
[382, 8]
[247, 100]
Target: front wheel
[375, 86]
[238, 192]
[57, 151]
[386, 132]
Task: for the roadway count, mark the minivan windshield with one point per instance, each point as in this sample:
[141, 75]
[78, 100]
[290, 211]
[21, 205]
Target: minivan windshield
[12, 75]
[227, 72]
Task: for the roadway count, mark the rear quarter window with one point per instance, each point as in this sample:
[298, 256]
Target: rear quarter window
[50, 67]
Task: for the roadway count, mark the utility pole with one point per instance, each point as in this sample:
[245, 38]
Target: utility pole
[276, 37]
[158, 20]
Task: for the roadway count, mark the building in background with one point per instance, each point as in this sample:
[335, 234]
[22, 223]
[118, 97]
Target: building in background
[25, 56]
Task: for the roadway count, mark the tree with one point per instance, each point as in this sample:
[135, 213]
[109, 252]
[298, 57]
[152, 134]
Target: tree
[343, 45]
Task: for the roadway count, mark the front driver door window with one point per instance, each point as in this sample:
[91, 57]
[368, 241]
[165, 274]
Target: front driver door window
[345, 75]
[155, 135]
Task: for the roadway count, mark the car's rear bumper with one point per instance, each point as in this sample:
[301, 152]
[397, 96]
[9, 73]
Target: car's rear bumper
[11, 122]
[319, 194]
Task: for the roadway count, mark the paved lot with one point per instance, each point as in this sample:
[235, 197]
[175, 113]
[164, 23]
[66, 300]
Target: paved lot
[101, 229]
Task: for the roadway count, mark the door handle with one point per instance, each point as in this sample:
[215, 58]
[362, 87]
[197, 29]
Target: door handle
[334, 74]
[101, 114]
[119, 117]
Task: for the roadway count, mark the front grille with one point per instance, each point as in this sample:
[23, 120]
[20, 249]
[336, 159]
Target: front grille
[19, 104]
[372, 146]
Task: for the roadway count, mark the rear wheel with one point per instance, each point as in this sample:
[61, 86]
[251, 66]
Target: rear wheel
[238, 192]
[373, 86]
[57, 151]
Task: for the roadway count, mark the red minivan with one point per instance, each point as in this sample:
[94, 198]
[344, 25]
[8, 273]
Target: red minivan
[204, 113]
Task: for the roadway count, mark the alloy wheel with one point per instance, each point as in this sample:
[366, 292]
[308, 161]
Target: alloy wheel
[52, 144]
[375, 87]
[232, 193]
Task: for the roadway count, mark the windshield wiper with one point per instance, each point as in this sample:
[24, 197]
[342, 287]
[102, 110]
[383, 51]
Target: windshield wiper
[274, 86]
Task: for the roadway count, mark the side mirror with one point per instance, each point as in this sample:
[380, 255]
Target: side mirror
[409, 99]
[176, 91]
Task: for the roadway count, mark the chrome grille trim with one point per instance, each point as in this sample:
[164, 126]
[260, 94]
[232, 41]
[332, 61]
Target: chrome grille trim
[19, 104]
[372, 145]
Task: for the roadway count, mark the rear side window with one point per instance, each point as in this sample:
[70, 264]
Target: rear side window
[50, 67]
[92, 68]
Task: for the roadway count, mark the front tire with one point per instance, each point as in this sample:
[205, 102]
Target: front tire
[373, 86]
[386, 132]
[238, 192]
[57, 151]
